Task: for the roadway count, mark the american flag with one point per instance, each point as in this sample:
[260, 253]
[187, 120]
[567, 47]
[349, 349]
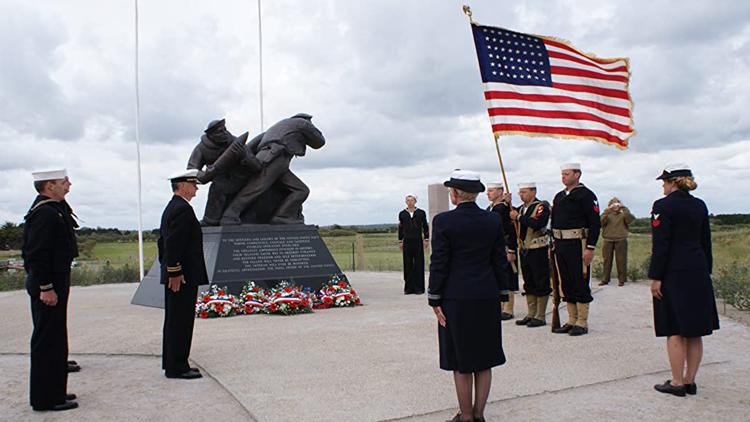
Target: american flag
[542, 86]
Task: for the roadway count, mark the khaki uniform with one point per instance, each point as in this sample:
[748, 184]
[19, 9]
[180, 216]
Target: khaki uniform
[615, 242]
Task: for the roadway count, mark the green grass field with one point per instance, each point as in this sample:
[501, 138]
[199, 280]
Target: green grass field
[382, 252]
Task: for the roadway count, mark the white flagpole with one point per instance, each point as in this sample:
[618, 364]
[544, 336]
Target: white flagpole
[138, 149]
[260, 64]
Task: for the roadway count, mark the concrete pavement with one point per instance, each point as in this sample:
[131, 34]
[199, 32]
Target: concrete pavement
[371, 363]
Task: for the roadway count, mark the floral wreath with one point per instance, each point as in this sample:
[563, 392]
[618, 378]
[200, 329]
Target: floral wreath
[337, 292]
[289, 299]
[252, 300]
[216, 303]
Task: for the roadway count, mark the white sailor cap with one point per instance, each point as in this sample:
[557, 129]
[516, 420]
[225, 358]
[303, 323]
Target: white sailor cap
[49, 175]
[675, 170]
[190, 175]
[527, 185]
[410, 194]
[495, 185]
[570, 166]
[465, 180]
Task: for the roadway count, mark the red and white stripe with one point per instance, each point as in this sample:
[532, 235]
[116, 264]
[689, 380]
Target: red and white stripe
[588, 99]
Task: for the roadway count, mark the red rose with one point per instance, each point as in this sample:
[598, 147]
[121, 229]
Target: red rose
[287, 289]
[327, 300]
[272, 307]
[342, 284]
[221, 292]
[220, 307]
[206, 298]
[354, 292]
[203, 314]
[356, 301]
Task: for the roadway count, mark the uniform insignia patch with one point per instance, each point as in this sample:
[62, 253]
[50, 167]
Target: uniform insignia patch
[655, 222]
[596, 206]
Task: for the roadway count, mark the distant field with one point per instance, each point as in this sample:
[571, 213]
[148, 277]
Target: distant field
[382, 252]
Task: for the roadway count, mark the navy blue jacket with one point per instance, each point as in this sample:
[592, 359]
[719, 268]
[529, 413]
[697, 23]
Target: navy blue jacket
[181, 244]
[680, 235]
[468, 255]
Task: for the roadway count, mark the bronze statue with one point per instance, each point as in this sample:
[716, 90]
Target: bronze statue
[252, 182]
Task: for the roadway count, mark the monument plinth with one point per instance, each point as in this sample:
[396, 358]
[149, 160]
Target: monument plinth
[261, 253]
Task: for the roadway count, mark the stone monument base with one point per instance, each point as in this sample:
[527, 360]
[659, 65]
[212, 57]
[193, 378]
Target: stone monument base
[265, 254]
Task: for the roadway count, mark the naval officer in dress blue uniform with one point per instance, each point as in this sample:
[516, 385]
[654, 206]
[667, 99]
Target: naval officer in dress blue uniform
[681, 261]
[468, 280]
[182, 271]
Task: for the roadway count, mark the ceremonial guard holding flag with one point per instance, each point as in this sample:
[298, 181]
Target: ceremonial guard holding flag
[533, 216]
[500, 203]
[575, 228]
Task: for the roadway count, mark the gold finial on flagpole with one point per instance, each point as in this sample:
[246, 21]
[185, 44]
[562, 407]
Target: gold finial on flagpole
[467, 12]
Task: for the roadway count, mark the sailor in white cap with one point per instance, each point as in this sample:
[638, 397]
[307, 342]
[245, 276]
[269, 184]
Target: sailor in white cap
[533, 216]
[182, 270]
[575, 228]
[500, 203]
[467, 278]
[413, 238]
[49, 248]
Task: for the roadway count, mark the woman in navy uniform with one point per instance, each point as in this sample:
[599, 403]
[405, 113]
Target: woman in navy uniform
[49, 247]
[182, 270]
[681, 261]
[468, 279]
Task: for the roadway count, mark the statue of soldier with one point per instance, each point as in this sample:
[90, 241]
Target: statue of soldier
[227, 166]
[274, 150]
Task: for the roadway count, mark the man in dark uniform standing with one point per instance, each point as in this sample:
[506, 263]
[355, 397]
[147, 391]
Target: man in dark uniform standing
[413, 237]
[533, 216]
[49, 246]
[500, 203]
[575, 228]
[182, 270]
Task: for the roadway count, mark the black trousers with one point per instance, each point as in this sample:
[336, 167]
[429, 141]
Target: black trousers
[49, 347]
[535, 267]
[575, 287]
[413, 266]
[179, 318]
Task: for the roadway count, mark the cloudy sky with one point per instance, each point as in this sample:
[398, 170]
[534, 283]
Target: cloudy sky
[393, 85]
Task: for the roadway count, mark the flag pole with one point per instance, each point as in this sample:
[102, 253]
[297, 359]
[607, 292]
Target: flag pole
[260, 64]
[138, 150]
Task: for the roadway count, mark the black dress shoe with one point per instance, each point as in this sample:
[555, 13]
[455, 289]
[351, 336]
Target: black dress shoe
[577, 330]
[565, 329]
[188, 375]
[506, 316]
[691, 389]
[73, 367]
[668, 388]
[58, 407]
[525, 320]
[536, 323]
[70, 397]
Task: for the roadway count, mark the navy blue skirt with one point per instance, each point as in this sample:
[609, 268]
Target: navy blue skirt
[472, 339]
[687, 307]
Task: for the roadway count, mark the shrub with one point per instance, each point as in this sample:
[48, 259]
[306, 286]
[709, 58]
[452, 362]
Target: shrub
[733, 285]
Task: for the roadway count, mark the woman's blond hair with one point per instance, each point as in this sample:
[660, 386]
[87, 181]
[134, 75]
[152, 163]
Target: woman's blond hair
[465, 196]
[685, 183]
